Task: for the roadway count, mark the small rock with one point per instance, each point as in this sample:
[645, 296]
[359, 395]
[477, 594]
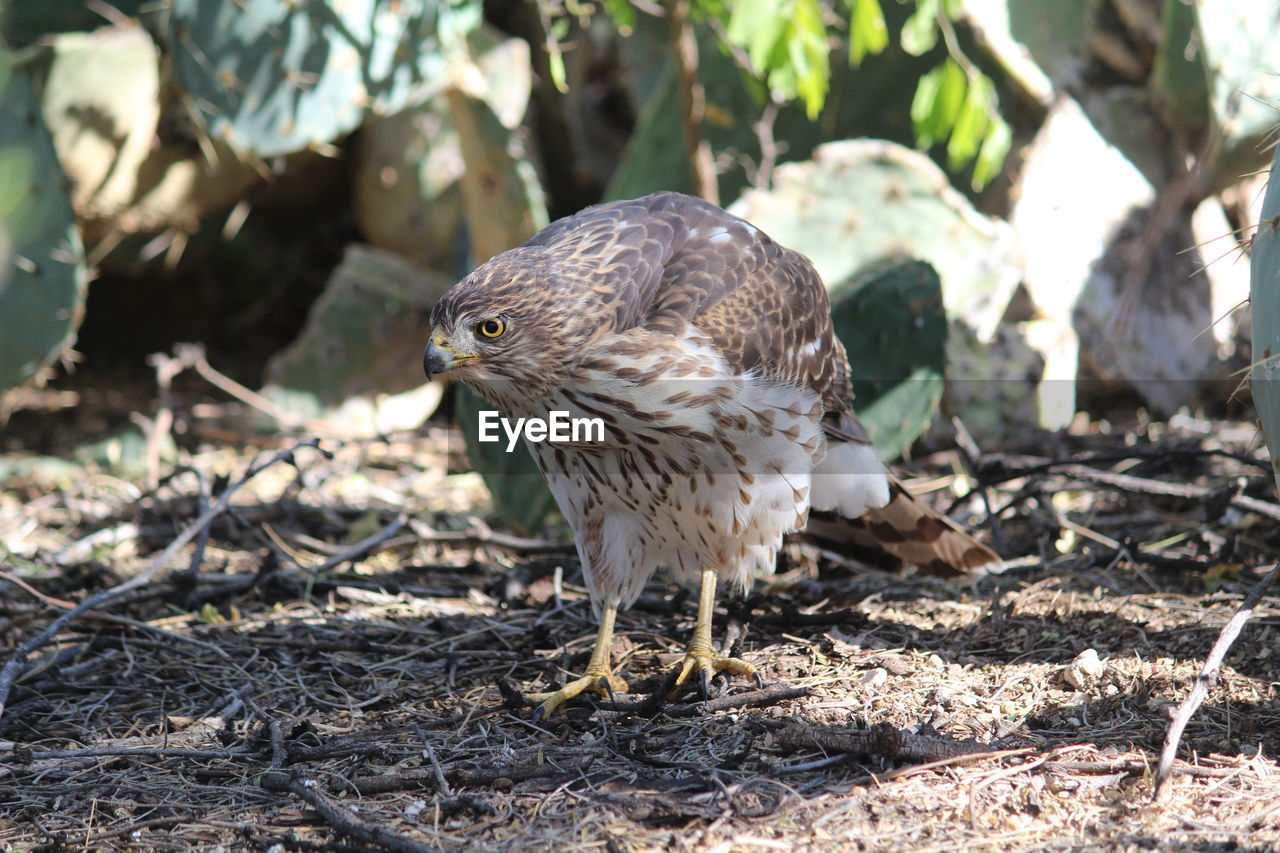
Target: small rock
[1084, 670]
[875, 678]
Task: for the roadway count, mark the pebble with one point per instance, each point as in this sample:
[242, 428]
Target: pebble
[1084, 670]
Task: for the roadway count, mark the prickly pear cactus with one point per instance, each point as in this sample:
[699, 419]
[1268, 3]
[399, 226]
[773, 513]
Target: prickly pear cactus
[1239, 39]
[24, 22]
[1213, 71]
[409, 166]
[1264, 298]
[893, 326]
[406, 186]
[500, 190]
[101, 100]
[863, 202]
[42, 292]
[354, 369]
[276, 76]
[364, 334]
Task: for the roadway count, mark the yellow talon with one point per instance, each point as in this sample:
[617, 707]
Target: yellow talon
[598, 678]
[700, 657]
[605, 684]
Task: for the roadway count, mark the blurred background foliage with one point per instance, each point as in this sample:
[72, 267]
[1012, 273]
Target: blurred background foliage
[1048, 202]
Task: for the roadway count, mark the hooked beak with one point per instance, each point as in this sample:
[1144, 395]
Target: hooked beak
[438, 358]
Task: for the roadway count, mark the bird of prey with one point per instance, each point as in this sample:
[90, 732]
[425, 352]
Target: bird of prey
[708, 352]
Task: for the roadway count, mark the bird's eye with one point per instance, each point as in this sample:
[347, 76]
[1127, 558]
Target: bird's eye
[492, 328]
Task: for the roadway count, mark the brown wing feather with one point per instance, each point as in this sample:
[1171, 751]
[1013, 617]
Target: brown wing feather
[671, 259]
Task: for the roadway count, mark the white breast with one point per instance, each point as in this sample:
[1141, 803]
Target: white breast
[700, 469]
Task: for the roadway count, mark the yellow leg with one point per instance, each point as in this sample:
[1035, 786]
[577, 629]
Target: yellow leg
[700, 657]
[598, 678]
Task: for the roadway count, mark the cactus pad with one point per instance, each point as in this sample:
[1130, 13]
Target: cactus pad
[894, 328]
[276, 76]
[42, 297]
[865, 202]
[1264, 298]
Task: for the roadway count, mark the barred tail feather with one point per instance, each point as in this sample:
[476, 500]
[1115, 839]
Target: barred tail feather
[904, 531]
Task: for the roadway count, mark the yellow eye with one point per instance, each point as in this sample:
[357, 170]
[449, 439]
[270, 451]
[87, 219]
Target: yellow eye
[491, 329]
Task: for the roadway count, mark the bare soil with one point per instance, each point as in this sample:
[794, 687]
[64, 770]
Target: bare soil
[275, 687]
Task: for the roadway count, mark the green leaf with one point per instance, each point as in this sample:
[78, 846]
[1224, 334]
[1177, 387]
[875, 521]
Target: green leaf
[757, 26]
[995, 147]
[555, 57]
[623, 14]
[940, 94]
[920, 32]
[922, 106]
[786, 41]
[971, 123]
[868, 34]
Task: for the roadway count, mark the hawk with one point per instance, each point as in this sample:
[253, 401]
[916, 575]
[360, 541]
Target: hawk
[708, 352]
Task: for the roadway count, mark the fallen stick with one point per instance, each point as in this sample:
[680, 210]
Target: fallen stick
[1148, 486]
[345, 821]
[1208, 678]
[882, 740]
[17, 663]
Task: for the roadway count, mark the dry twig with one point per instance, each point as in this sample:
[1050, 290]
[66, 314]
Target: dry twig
[346, 822]
[883, 740]
[692, 100]
[1208, 678]
[17, 663]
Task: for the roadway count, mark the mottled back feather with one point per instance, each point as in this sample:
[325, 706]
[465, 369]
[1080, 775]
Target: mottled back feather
[668, 259]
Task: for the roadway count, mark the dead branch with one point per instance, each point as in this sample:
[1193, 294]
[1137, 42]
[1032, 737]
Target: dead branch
[1208, 678]
[655, 701]
[346, 822]
[342, 819]
[17, 663]
[93, 753]
[482, 535]
[1136, 767]
[193, 356]
[1147, 486]
[764, 696]
[468, 777]
[693, 100]
[882, 740]
[361, 548]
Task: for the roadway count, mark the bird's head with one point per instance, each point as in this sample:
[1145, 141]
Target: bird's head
[504, 324]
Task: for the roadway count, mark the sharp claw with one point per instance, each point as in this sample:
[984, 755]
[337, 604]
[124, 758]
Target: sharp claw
[758, 679]
[704, 683]
[538, 713]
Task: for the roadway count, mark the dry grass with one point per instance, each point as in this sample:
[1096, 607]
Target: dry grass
[199, 711]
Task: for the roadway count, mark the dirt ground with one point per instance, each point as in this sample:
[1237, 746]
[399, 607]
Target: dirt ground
[276, 685]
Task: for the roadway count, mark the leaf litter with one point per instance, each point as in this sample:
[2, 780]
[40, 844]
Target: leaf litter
[336, 662]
